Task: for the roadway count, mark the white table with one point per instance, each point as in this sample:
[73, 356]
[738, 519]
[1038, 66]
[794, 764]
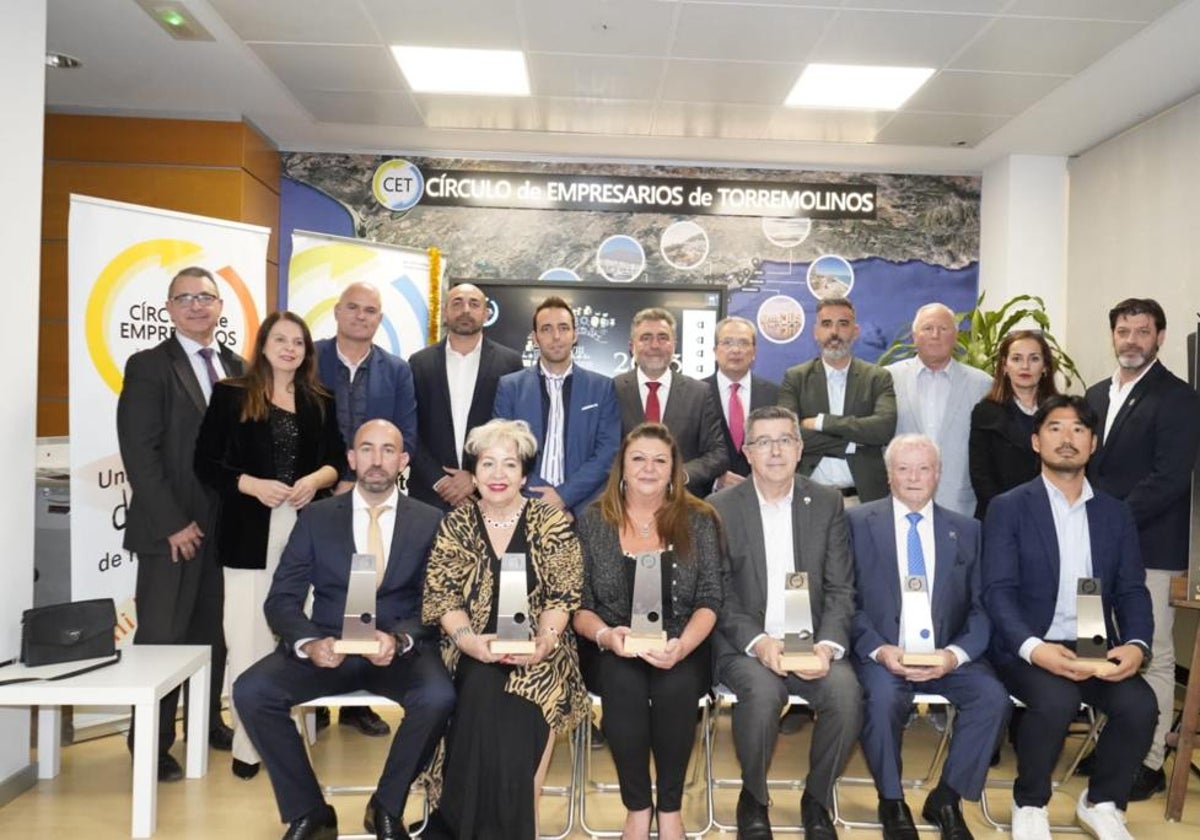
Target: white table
[143, 676]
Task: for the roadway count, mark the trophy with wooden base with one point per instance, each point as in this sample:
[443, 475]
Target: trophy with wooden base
[513, 634]
[1091, 642]
[358, 617]
[646, 631]
[920, 648]
[798, 653]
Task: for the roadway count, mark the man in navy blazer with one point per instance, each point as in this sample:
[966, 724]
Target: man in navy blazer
[571, 411]
[893, 540]
[1040, 538]
[407, 668]
[1151, 423]
[736, 348]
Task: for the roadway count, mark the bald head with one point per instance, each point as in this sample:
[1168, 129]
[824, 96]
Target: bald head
[358, 312]
[464, 309]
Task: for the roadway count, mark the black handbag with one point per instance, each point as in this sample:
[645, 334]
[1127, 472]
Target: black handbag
[68, 632]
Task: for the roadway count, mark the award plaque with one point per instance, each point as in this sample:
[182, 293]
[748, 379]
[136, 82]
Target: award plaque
[358, 618]
[918, 642]
[798, 654]
[513, 635]
[646, 625]
[1091, 643]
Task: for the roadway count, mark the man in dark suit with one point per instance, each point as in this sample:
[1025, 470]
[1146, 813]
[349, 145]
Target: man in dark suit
[847, 408]
[737, 391]
[571, 411]
[653, 392]
[777, 523]
[1040, 538]
[367, 382]
[1151, 423]
[899, 541]
[455, 381]
[372, 519]
[180, 590]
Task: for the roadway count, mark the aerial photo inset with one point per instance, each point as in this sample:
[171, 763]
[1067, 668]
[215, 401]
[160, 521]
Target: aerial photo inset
[684, 245]
[786, 233]
[780, 319]
[620, 259]
[830, 276]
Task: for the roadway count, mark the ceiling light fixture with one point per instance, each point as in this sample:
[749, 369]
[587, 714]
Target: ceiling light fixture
[855, 86]
[62, 61]
[176, 20]
[446, 70]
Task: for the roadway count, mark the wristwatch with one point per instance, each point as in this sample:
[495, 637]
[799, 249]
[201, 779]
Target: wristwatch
[404, 643]
[1145, 649]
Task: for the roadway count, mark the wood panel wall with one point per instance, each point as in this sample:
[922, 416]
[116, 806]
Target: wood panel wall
[223, 169]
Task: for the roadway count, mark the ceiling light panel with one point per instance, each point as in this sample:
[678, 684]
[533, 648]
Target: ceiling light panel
[856, 86]
[480, 72]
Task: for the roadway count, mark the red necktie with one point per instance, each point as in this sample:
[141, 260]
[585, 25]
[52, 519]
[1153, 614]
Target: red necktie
[737, 417]
[653, 411]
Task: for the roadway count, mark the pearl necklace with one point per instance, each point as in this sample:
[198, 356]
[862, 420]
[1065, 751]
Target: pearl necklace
[503, 524]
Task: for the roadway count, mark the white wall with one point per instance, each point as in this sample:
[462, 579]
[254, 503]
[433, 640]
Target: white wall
[22, 90]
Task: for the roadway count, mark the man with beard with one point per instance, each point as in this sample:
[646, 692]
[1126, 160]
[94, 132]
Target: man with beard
[1039, 540]
[1151, 423]
[455, 381]
[571, 411]
[375, 519]
[847, 408]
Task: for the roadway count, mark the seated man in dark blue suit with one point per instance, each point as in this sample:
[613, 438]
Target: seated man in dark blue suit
[894, 539]
[572, 412]
[1039, 539]
[373, 519]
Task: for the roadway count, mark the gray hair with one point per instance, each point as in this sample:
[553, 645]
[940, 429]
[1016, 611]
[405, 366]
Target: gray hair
[737, 319]
[772, 412]
[654, 313]
[930, 307]
[910, 441]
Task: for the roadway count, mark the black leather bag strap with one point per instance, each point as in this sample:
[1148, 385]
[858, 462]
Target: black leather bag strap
[94, 667]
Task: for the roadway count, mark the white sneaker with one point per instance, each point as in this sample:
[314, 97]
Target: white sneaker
[1103, 820]
[1030, 823]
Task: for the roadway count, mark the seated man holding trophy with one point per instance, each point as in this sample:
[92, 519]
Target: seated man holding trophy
[785, 624]
[363, 554]
[921, 627]
[1062, 572]
[504, 576]
[651, 595]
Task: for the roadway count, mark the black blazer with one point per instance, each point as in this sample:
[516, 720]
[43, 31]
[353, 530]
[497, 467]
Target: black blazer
[227, 448]
[763, 392]
[158, 417]
[1001, 452]
[435, 427]
[1147, 461]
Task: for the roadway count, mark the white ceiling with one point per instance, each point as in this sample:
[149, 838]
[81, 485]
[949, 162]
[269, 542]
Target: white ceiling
[656, 80]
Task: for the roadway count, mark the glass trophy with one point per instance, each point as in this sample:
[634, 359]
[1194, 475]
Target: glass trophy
[798, 653]
[646, 620]
[358, 617]
[920, 648]
[1091, 642]
[513, 630]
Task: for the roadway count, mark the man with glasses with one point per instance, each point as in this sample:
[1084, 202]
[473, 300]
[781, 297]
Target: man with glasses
[654, 393]
[738, 391]
[847, 408]
[776, 524]
[180, 589]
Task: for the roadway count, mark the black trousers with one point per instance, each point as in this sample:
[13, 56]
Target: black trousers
[649, 710]
[1053, 702]
[266, 693]
[182, 603]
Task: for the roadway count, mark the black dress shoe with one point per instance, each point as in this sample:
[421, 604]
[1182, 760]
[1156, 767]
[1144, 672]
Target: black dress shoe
[1146, 783]
[815, 819]
[897, 820]
[948, 817]
[598, 739]
[321, 717]
[383, 825]
[752, 820]
[318, 824]
[245, 770]
[220, 737]
[168, 768]
[365, 720]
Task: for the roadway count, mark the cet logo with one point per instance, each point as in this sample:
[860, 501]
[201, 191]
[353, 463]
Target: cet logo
[125, 311]
[398, 184]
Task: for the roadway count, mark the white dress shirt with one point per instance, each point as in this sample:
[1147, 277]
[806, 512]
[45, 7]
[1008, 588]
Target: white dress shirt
[834, 472]
[663, 391]
[192, 349]
[462, 369]
[723, 383]
[1117, 394]
[934, 388]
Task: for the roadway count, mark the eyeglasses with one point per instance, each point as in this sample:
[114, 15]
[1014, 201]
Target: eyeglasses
[204, 299]
[739, 343]
[766, 444]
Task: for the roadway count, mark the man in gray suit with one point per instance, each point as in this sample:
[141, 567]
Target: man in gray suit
[655, 393]
[180, 590]
[808, 534]
[847, 408]
[935, 396]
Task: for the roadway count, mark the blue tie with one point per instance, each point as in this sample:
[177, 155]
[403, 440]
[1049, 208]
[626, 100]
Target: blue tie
[916, 556]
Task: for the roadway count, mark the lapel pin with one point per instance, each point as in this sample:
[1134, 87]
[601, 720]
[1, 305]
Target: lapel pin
[954, 535]
[808, 500]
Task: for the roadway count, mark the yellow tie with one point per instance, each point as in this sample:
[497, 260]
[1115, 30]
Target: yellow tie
[375, 541]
